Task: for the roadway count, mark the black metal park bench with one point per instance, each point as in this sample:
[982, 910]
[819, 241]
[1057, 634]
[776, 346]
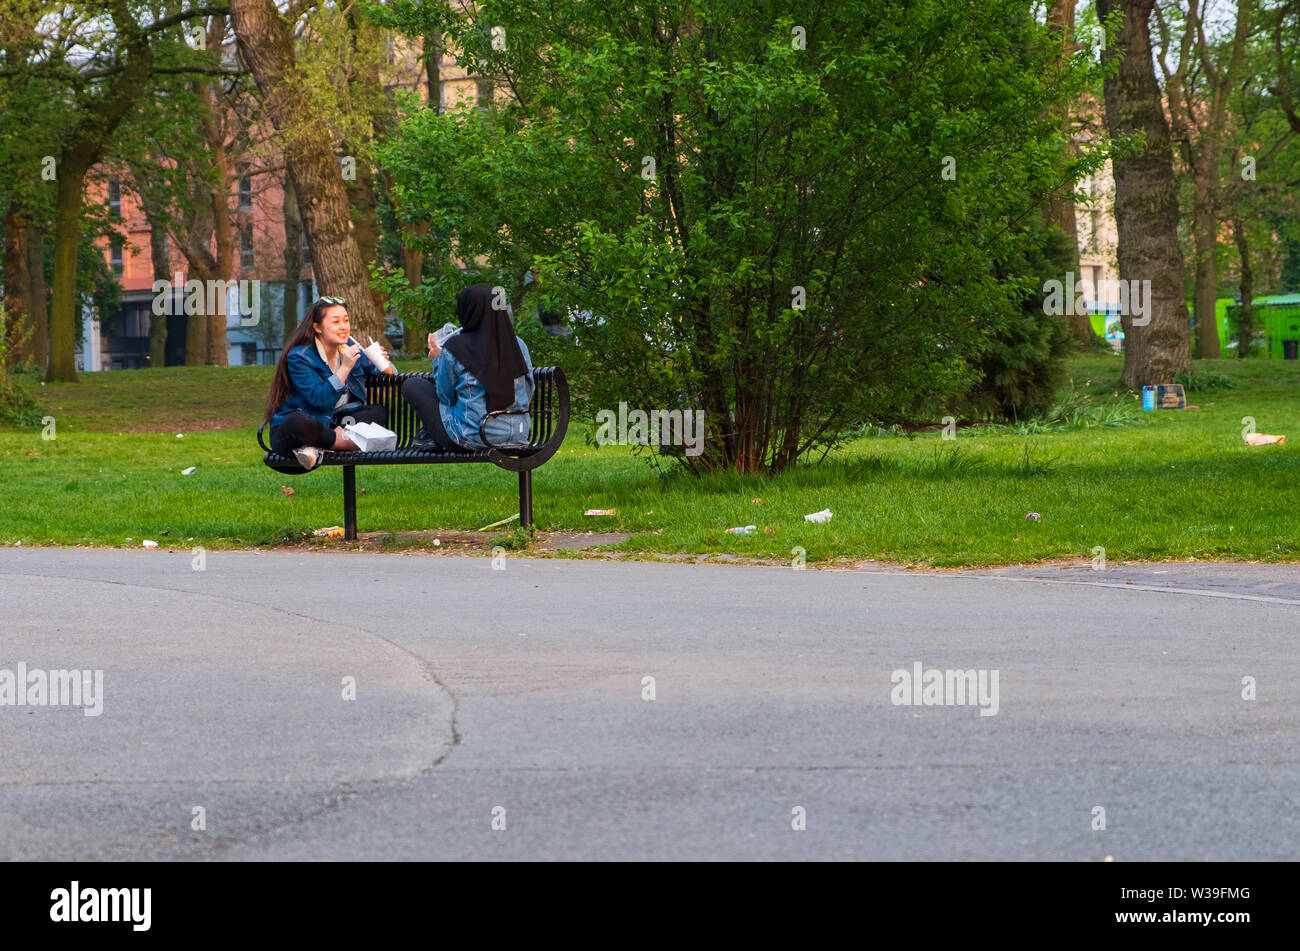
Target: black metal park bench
[549, 412]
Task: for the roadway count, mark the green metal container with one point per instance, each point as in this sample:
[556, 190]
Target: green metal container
[1277, 320]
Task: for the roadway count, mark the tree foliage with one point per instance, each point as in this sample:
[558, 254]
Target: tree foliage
[792, 221]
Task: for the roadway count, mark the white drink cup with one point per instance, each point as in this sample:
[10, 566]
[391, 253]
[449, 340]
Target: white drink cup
[376, 355]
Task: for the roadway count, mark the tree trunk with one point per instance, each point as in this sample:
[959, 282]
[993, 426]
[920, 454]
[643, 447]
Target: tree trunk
[266, 45]
[35, 305]
[1060, 209]
[365, 85]
[365, 220]
[81, 151]
[1205, 224]
[1146, 206]
[196, 325]
[413, 336]
[433, 69]
[1247, 333]
[292, 257]
[67, 231]
[17, 324]
[214, 128]
[413, 267]
[1196, 92]
[161, 272]
[160, 263]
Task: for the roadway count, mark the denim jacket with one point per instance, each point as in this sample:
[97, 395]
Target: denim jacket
[315, 387]
[463, 404]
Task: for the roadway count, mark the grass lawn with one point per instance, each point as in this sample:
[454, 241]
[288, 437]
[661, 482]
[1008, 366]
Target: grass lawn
[1175, 484]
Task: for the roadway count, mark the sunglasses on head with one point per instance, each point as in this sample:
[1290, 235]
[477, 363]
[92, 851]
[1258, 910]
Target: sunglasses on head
[332, 300]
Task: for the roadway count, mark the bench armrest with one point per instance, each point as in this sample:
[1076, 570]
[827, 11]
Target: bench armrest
[550, 415]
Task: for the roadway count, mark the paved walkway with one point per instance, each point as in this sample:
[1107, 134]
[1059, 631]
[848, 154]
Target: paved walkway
[517, 697]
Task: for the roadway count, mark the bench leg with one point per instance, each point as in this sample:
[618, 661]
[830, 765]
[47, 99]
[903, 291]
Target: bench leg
[350, 503]
[526, 499]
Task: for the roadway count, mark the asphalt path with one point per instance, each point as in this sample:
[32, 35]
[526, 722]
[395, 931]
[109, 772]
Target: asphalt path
[333, 706]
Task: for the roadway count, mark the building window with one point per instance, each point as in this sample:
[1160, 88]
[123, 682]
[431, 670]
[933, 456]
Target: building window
[136, 323]
[483, 91]
[1094, 226]
[246, 246]
[115, 255]
[115, 196]
[245, 189]
[304, 252]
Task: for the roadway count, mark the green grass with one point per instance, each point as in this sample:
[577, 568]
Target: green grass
[1175, 484]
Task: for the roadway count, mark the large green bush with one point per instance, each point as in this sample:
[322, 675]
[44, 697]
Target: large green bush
[791, 218]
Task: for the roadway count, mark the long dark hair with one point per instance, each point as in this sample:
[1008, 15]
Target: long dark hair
[304, 334]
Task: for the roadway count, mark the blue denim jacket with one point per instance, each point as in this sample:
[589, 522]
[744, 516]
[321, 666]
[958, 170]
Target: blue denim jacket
[463, 404]
[315, 387]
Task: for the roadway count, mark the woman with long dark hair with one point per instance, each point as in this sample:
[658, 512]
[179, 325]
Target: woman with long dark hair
[482, 368]
[319, 382]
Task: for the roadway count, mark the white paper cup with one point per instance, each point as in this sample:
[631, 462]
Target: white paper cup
[376, 355]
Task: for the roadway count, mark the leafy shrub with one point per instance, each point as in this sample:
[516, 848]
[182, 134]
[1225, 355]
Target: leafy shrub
[1023, 366]
[17, 406]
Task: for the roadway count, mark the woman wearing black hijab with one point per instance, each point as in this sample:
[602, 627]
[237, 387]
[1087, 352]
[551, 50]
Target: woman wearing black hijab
[482, 368]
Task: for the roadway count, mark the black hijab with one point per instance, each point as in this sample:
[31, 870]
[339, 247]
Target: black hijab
[487, 346]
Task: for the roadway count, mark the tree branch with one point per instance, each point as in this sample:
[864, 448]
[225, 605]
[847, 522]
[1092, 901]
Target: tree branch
[181, 17]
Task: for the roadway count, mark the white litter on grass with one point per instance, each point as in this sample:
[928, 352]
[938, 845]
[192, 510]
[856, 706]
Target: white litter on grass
[743, 530]
[149, 543]
[437, 542]
[189, 471]
[180, 435]
[823, 516]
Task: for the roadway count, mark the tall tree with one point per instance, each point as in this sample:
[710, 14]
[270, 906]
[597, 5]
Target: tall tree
[266, 44]
[1197, 92]
[31, 124]
[786, 223]
[1146, 202]
[99, 114]
[1060, 210]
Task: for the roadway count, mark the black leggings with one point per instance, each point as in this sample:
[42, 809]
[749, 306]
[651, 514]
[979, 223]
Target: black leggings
[299, 429]
[423, 397]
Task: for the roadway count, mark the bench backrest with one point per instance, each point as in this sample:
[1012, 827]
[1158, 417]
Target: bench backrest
[386, 391]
